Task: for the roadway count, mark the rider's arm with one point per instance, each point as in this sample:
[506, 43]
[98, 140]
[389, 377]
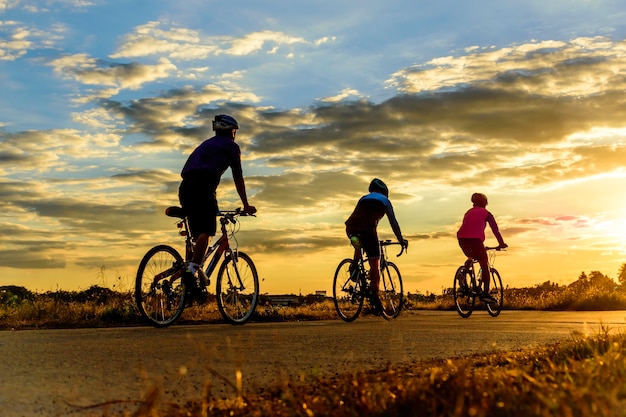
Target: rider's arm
[394, 223]
[494, 228]
[240, 185]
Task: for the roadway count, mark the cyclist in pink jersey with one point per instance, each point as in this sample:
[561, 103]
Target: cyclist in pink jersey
[471, 236]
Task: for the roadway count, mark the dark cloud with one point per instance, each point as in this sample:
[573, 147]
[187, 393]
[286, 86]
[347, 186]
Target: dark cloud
[291, 241]
[44, 252]
[30, 258]
[297, 191]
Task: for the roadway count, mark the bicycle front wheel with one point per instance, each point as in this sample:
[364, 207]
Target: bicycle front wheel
[464, 297]
[347, 294]
[390, 291]
[237, 288]
[159, 291]
[496, 292]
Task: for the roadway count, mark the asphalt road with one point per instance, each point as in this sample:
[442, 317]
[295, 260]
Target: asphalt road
[56, 372]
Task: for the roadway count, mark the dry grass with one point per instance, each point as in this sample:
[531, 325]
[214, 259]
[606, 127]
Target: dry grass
[101, 307]
[580, 377]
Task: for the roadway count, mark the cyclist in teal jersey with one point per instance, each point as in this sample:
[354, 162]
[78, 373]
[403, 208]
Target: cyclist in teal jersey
[361, 228]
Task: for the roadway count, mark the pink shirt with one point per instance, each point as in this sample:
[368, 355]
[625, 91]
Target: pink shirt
[474, 224]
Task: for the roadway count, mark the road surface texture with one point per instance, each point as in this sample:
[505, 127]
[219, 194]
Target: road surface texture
[57, 372]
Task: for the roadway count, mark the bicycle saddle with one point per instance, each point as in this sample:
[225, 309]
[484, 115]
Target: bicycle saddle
[175, 212]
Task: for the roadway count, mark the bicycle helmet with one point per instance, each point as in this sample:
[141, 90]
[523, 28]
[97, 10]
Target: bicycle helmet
[479, 200]
[224, 122]
[378, 186]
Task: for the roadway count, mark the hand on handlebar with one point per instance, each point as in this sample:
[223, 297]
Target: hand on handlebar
[405, 245]
[497, 248]
[250, 210]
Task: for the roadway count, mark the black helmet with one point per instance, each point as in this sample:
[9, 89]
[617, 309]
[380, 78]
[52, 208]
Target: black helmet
[378, 186]
[479, 200]
[224, 122]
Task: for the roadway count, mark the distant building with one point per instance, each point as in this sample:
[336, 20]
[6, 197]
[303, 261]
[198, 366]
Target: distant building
[321, 292]
[285, 300]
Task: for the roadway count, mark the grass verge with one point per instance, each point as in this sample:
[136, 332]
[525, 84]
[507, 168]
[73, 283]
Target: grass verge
[580, 377]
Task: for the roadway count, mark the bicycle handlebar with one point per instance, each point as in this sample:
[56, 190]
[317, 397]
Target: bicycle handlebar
[236, 212]
[496, 248]
[388, 242]
[229, 215]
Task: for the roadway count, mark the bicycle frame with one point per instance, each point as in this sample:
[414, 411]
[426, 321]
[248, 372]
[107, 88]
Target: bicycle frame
[491, 253]
[465, 293]
[216, 250]
[161, 293]
[383, 254]
[351, 288]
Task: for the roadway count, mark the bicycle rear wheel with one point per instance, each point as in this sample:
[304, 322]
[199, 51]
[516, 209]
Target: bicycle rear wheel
[237, 288]
[159, 291]
[347, 294]
[390, 291]
[496, 292]
[464, 297]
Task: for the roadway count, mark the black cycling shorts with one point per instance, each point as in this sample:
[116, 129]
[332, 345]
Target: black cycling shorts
[198, 199]
[369, 241]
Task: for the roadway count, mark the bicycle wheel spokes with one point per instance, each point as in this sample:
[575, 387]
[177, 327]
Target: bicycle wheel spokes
[237, 288]
[159, 291]
[496, 292]
[390, 292]
[347, 294]
[464, 297]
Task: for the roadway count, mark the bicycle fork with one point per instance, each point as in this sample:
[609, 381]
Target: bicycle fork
[235, 260]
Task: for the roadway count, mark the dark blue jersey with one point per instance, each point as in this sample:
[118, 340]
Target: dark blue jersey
[213, 157]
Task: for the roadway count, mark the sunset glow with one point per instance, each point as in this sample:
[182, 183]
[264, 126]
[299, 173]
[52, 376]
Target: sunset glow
[101, 106]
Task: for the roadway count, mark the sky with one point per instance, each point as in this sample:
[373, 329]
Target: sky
[103, 100]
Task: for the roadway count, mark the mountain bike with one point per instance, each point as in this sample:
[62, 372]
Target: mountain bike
[467, 287]
[161, 293]
[351, 286]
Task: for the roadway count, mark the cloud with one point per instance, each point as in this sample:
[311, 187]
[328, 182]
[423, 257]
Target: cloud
[59, 222]
[519, 118]
[91, 71]
[343, 95]
[36, 6]
[486, 133]
[8, 4]
[186, 44]
[17, 39]
[34, 258]
[178, 114]
[53, 150]
[582, 66]
[577, 221]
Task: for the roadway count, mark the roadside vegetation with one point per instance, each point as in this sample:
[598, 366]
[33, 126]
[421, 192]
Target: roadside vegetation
[102, 307]
[583, 376]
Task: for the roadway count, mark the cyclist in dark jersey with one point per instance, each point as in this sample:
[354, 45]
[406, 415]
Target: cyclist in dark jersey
[361, 228]
[201, 176]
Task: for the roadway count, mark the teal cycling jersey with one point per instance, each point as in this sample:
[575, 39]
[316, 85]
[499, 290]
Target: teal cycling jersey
[368, 212]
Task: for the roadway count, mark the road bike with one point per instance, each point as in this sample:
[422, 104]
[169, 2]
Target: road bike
[351, 286]
[467, 287]
[161, 293]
